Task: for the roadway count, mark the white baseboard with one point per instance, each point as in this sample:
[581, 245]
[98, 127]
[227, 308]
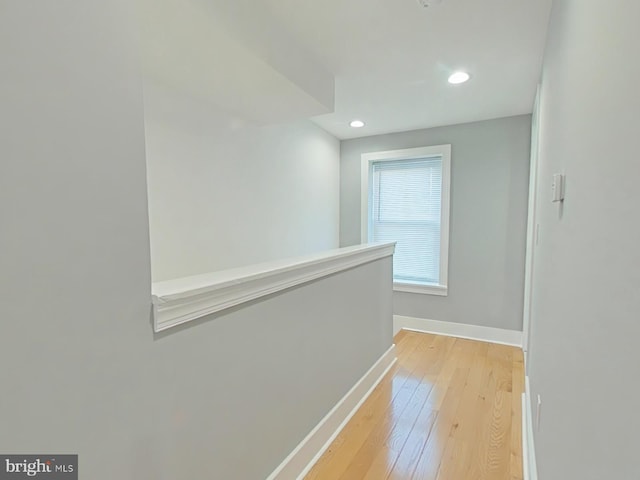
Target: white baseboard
[529, 467]
[460, 330]
[307, 453]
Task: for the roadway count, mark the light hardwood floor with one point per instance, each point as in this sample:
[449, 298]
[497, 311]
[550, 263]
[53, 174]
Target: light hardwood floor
[449, 409]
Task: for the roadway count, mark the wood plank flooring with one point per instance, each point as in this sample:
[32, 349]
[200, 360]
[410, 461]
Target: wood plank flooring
[449, 409]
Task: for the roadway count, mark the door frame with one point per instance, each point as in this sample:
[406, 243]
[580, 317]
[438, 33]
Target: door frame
[532, 225]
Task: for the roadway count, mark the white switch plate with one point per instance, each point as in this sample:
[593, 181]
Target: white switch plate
[557, 188]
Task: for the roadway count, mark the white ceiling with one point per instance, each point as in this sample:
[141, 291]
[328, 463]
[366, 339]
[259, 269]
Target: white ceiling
[231, 55]
[391, 58]
[266, 61]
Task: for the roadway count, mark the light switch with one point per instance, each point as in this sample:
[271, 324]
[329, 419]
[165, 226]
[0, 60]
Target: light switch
[557, 188]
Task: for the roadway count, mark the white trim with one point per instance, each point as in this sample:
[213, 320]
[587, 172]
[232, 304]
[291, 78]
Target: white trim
[461, 330]
[529, 467]
[443, 151]
[300, 461]
[444, 215]
[422, 289]
[532, 226]
[189, 298]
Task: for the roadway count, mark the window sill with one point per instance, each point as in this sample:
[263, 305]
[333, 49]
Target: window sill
[440, 290]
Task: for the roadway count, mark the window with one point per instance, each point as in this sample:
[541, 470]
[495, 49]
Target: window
[405, 199]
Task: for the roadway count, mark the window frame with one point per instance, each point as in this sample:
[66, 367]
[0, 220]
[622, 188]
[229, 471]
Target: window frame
[443, 151]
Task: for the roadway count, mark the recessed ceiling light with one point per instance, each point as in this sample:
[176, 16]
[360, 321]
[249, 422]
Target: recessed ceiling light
[458, 77]
[357, 123]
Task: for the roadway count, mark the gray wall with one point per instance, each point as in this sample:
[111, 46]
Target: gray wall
[283, 200]
[584, 358]
[82, 372]
[489, 188]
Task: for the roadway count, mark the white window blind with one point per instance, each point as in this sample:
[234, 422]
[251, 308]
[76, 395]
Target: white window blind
[405, 207]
